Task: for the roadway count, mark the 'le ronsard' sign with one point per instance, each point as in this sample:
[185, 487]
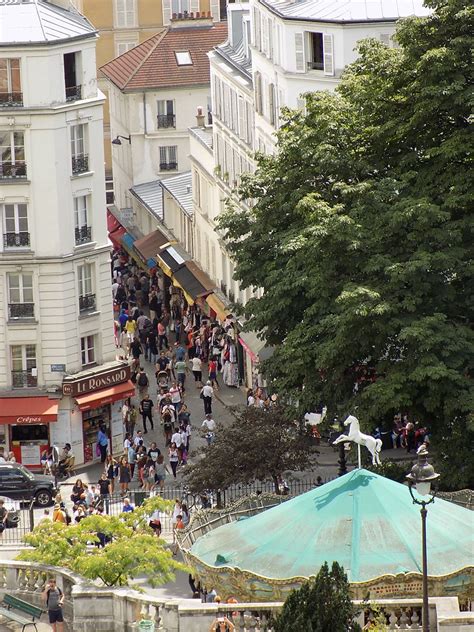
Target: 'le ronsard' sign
[117, 375]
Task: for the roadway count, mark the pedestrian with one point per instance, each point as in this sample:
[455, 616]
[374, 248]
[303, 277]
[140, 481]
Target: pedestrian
[124, 475]
[105, 491]
[102, 442]
[196, 368]
[209, 427]
[160, 471]
[54, 598]
[167, 426]
[3, 517]
[173, 456]
[177, 440]
[136, 349]
[175, 394]
[162, 337]
[111, 468]
[213, 372]
[142, 382]
[130, 329]
[146, 410]
[151, 344]
[206, 395]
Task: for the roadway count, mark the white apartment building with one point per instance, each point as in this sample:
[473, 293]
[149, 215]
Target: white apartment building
[56, 325]
[300, 47]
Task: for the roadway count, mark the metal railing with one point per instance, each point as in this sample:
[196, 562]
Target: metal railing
[80, 163]
[87, 303]
[315, 65]
[166, 120]
[24, 379]
[11, 99]
[15, 169]
[21, 310]
[16, 240]
[73, 93]
[168, 166]
[83, 234]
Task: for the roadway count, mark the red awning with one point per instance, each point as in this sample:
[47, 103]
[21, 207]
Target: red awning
[28, 410]
[116, 236]
[112, 222]
[105, 396]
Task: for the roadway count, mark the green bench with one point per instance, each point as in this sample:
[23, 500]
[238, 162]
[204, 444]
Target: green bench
[10, 603]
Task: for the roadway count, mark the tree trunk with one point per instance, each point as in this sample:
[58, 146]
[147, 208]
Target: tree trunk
[276, 480]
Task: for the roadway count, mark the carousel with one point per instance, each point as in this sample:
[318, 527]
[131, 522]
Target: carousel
[364, 521]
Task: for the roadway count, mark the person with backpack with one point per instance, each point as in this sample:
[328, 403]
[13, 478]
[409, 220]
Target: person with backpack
[53, 596]
[142, 382]
[146, 410]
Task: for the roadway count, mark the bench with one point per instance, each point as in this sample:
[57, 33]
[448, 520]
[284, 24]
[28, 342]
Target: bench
[10, 603]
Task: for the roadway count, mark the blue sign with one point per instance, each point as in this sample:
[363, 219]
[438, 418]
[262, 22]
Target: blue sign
[58, 368]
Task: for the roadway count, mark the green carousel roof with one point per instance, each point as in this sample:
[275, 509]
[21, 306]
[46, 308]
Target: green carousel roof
[364, 521]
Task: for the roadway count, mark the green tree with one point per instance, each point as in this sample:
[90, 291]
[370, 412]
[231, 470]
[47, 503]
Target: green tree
[362, 225]
[258, 444]
[321, 604]
[132, 549]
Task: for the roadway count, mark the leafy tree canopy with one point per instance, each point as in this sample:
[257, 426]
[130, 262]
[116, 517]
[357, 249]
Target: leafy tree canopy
[132, 551]
[321, 604]
[258, 444]
[362, 225]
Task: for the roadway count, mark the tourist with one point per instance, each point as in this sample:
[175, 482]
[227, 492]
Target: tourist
[124, 475]
[54, 599]
[173, 456]
[196, 368]
[160, 471]
[102, 442]
[209, 427]
[127, 506]
[105, 489]
[111, 470]
[3, 517]
[212, 366]
[146, 410]
[207, 393]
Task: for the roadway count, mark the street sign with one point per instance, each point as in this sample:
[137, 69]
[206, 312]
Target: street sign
[58, 368]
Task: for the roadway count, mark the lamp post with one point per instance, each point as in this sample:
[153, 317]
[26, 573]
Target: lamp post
[421, 477]
[342, 451]
[117, 141]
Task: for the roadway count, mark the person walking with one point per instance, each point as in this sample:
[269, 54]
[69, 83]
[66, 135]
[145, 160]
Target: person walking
[102, 442]
[124, 475]
[196, 368]
[209, 426]
[207, 393]
[146, 410]
[175, 393]
[181, 369]
[142, 382]
[173, 458]
[212, 366]
[54, 599]
[104, 491]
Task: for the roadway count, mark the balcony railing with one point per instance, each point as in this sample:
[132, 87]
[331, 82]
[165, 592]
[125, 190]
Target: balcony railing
[11, 99]
[87, 303]
[73, 93]
[166, 120]
[80, 164]
[15, 169]
[24, 379]
[21, 310]
[16, 240]
[168, 166]
[83, 235]
[315, 65]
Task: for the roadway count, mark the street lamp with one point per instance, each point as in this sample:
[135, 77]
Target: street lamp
[421, 477]
[117, 140]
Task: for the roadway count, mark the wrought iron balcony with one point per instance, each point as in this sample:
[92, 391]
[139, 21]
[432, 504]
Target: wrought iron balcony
[73, 93]
[15, 169]
[16, 240]
[166, 120]
[168, 166]
[21, 310]
[80, 163]
[87, 303]
[24, 379]
[11, 99]
[83, 235]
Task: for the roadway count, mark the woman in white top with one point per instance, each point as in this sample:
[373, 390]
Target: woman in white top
[196, 367]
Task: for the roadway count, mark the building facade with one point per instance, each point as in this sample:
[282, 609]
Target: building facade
[55, 306]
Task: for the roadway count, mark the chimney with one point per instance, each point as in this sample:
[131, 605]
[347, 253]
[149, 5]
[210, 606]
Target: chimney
[200, 118]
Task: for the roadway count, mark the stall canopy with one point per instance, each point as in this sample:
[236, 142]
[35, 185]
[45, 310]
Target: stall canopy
[171, 258]
[149, 245]
[255, 347]
[218, 305]
[105, 396]
[28, 410]
[193, 281]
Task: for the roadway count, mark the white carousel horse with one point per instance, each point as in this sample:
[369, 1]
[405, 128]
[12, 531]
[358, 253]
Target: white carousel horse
[373, 445]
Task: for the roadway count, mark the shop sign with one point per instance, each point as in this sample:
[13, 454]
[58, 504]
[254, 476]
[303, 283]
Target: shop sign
[58, 368]
[92, 383]
[29, 419]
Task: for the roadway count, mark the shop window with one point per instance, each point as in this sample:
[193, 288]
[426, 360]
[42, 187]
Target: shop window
[35, 432]
[88, 350]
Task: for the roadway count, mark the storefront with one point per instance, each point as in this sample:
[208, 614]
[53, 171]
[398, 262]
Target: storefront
[217, 304]
[95, 399]
[25, 426]
[255, 352]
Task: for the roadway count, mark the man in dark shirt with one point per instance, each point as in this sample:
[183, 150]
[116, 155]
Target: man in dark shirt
[162, 362]
[146, 410]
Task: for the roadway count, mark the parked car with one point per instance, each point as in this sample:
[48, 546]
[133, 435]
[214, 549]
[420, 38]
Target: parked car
[18, 483]
[13, 508]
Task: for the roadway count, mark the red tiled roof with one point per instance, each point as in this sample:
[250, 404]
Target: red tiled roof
[152, 64]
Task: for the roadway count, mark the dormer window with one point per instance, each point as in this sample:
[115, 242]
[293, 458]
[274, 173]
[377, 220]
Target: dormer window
[183, 58]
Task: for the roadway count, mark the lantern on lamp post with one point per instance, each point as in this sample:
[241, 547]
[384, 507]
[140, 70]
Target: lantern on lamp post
[421, 477]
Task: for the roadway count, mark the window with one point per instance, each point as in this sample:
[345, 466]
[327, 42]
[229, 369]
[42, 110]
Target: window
[86, 295]
[87, 350]
[71, 74]
[168, 158]
[109, 191]
[125, 13]
[83, 232]
[123, 46]
[258, 93]
[179, 6]
[10, 83]
[166, 117]
[12, 155]
[271, 103]
[15, 226]
[23, 362]
[183, 58]
[196, 188]
[20, 295]
[80, 159]
[316, 61]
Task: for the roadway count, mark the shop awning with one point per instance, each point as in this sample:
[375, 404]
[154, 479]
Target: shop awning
[218, 306]
[149, 245]
[193, 280]
[105, 396]
[254, 346]
[28, 410]
[128, 240]
[171, 259]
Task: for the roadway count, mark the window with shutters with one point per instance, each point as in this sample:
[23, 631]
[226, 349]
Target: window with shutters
[316, 55]
[258, 92]
[299, 53]
[196, 187]
[168, 158]
[250, 123]
[125, 13]
[179, 7]
[271, 104]
[247, 36]
[122, 46]
[257, 41]
[265, 36]
[242, 119]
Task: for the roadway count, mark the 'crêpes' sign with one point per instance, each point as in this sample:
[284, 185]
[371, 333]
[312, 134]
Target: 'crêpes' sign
[92, 383]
